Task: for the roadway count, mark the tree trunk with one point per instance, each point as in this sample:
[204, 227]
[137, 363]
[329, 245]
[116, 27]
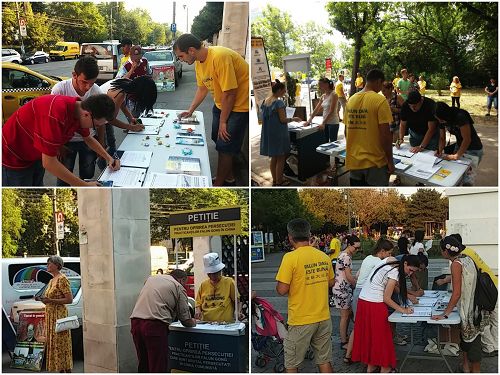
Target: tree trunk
[355, 67]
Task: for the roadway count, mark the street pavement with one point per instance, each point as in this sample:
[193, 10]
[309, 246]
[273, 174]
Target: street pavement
[264, 283]
[180, 99]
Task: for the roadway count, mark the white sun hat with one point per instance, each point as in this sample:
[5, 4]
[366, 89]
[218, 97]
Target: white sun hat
[212, 263]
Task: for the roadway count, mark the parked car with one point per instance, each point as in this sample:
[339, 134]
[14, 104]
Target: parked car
[107, 54]
[165, 58]
[11, 55]
[20, 85]
[36, 57]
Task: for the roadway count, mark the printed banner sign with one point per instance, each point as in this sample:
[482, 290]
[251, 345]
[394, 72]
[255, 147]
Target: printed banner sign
[206, 222]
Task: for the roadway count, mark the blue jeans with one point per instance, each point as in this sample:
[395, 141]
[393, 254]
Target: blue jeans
[237, 125]
[31, 176]
[416, 140]
[331, 132]
[492, 100]
[86, 160]
[111, 145]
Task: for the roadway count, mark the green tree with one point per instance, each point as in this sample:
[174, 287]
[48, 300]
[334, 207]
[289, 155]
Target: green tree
[312, 41]
[326, 205]
[279, 34]
[426, 205]
[78, 21]
[209, 21]
[41, 33]
[157, 35]
[12, 222]
[354, 20]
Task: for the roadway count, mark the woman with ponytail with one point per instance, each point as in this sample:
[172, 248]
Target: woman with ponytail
[373, 342]
[274, 138]
[328, 107]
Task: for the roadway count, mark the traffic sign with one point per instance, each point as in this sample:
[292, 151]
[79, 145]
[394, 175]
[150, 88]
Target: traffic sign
[59, 217]
[173, 27]
[22, 22]
[23, 30]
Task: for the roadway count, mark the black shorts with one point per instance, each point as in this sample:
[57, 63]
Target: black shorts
[237, 125]
[473, 349]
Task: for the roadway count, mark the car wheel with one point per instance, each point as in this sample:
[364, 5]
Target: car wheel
[46, 59]
[76, 57]
[63, 58]
[16, 62]
[32, 61]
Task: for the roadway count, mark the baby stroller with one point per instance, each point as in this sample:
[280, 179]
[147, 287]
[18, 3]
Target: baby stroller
[267, 339]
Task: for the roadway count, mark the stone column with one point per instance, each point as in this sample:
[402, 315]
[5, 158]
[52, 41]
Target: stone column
[115, 262]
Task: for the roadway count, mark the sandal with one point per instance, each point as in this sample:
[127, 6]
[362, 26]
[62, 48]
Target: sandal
[348, 361]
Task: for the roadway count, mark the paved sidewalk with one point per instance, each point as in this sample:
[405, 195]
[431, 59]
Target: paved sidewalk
[263, 282]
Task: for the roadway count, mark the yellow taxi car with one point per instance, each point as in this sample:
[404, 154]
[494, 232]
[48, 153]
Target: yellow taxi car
[20, 85]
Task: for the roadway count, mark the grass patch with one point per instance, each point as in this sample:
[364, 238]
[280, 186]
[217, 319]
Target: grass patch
[473, 101]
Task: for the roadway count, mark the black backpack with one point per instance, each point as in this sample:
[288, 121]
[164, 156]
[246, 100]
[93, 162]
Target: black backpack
[485, 295]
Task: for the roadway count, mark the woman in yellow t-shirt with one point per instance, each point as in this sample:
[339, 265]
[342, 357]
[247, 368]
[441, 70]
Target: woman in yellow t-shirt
[456, 91]
[359, 83]
[215, 297]
[422, 85]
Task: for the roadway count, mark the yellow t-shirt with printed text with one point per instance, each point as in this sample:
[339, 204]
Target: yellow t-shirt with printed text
[334, 248]
[359, 82]
[223, 70]
[307, 270]
[339, 89]
[216, 302]
[364, 112]
[481, 264]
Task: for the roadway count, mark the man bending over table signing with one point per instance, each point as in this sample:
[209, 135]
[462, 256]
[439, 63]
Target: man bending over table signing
[224, 73]
[33, 135]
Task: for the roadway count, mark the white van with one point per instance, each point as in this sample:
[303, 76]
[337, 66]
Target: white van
[107, 54]
[22, 278]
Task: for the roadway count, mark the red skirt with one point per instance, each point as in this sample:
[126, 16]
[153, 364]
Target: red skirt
[373, 343]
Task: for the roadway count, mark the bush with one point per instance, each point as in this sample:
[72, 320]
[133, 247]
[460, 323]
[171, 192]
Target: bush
[439, 82]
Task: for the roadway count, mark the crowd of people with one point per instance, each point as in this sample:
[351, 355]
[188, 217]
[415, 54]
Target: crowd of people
[78, 118]
[373, 125]
[307, 274]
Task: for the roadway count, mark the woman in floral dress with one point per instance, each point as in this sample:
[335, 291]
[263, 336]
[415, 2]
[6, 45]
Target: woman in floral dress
[345, 281]
[59, 357]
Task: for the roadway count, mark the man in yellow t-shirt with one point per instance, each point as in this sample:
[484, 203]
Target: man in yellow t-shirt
[489, 337]
[368, 137]
[225, 74]
[335, 248]
[339, 90]
[215, 297]
[306, 274]
[359, 82]
[396, 80]
[126, 45]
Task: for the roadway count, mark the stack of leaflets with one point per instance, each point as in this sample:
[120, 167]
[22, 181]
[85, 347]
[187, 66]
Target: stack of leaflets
[184, 165]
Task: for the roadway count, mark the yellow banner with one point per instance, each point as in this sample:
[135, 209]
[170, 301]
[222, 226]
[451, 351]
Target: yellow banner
[220, 228]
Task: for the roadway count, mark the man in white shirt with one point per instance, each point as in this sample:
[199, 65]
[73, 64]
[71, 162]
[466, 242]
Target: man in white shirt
[81, 85]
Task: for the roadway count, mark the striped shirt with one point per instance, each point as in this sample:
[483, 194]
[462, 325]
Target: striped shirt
[41, 126]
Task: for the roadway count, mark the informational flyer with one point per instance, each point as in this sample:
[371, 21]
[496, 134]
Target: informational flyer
[30, 346]
[164, 77]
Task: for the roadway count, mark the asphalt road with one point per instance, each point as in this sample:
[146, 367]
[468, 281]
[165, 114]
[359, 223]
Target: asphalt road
[180, 99]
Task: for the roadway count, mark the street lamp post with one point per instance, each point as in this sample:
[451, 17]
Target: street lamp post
[187, 17]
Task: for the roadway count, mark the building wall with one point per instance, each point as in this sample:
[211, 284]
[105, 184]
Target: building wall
[473, 212]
